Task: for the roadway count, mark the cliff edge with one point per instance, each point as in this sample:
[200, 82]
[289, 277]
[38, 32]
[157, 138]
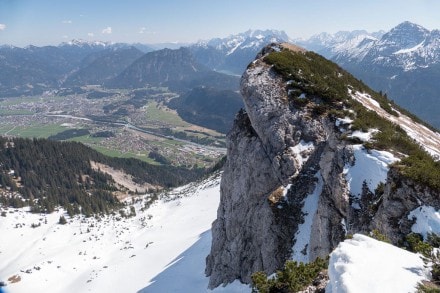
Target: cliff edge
[307, 163]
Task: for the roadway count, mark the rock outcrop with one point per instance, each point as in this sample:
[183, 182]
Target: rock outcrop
[284, 190]
[255, 225]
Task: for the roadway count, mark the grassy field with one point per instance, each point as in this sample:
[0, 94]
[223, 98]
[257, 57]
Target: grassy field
[39, 131]
[155, 112]
[5, 112]
[119, 154]
[28, 99]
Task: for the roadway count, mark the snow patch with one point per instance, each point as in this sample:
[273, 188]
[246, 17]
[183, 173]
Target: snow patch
[369, 166]
[427, 220]
[363, 136]
[366, 97]
[301, 249]
[302, 152]
[363, 264]
[410, 50]
[428, 139]
[343, 121]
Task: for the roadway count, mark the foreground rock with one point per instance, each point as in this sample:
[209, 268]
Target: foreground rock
[289, 189]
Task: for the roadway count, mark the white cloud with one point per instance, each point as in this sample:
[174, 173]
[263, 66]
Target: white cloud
[107, 30]
[2, 26]
[91, 34]
[143, 30]
[67, 21]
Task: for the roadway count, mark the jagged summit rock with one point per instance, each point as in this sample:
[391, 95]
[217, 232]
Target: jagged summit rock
[308, 162]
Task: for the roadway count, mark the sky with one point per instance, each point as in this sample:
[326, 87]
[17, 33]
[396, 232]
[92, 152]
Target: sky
[50, 22]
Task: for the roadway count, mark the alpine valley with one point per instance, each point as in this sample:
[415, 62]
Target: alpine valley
[243, 164]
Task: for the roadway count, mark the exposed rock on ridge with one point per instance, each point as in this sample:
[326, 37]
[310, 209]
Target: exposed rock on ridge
[284, 190]
[252, 233]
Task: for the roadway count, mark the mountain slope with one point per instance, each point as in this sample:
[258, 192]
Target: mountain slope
[308, 162]
[45, 174]
[404, 63]
[174, 68]
[208, 107]
[33, 70]
[103, 66]
[109, 253]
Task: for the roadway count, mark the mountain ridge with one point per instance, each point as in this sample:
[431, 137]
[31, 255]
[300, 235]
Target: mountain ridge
[306, 165]
[403, 62]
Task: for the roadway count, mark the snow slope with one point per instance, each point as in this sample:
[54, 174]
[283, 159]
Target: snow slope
[428, 139]
[427, 220]
[363, 264]
[161, 249]
[371, 166]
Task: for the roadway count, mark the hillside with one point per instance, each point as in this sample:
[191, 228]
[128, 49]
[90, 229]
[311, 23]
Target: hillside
[109, 253]
[99, 67]
[208, 107]
[33, 70]
[176, 69]
[315, 157]
[46, 174]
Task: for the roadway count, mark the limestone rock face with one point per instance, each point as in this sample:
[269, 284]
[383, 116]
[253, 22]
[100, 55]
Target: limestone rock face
[256, 224]
[284, 190]
[401, 196]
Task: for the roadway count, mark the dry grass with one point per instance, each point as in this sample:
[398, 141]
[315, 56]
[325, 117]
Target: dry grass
[293, 48]
[276, 195]
[124, 180]
[14, 279]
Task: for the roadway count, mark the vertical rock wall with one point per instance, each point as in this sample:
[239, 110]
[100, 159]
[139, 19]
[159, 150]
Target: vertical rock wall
[255, 226]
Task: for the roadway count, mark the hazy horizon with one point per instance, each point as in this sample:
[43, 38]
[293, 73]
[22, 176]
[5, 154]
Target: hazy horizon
[28, 22]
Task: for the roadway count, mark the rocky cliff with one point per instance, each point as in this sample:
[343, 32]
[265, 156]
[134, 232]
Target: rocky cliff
[303, 170]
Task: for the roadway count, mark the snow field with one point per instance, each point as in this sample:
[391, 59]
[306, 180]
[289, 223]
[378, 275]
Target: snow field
[366, 265]
[371, 166]
[113, 254]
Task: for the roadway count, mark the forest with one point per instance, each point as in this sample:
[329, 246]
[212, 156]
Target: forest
[45, 174]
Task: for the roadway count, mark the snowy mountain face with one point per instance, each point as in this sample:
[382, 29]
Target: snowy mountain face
[343, 42]
[251, 39]
[404, 63]
[408, 46]
[234, 53]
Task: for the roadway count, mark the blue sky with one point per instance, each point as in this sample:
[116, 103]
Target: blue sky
[43, 22]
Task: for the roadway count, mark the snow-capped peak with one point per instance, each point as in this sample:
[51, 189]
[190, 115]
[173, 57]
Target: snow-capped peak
[407, 46]
[248, 39]
[82, 43]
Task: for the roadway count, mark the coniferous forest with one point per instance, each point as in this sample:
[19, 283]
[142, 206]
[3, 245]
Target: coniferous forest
[45, 174]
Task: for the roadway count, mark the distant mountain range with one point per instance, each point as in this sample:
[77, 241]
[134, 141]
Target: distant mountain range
[404, 63]
[102, 66]
[176, 69]
[234, 53]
